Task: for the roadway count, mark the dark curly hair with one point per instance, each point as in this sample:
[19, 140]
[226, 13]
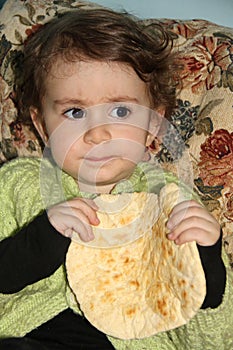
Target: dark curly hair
[102, 35]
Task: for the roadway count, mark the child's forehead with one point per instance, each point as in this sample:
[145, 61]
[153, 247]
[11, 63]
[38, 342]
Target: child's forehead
[96, 81]
[63, 68]
[97, 73]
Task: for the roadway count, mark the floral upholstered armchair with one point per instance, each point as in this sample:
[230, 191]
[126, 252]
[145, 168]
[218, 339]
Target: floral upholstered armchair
[203, 117]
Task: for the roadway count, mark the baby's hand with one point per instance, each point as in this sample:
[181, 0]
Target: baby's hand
[74, 215]
[189, 221]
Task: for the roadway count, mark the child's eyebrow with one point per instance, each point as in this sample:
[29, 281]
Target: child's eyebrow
[79, 102]
[128, 99]
[68, 101]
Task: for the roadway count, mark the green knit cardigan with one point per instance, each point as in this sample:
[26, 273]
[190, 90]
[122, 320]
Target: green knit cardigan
[28, 186]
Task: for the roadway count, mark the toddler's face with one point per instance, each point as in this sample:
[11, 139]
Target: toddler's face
[98, 121]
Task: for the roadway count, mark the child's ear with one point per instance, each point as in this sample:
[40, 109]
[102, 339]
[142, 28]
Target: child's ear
[150, 138]
[156, 120]
[39, 124]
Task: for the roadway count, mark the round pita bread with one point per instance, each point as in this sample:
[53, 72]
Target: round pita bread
[144, 287]
[121, 219]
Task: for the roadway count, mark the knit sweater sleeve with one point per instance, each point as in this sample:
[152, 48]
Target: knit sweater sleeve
[21, 202]
[20, 196]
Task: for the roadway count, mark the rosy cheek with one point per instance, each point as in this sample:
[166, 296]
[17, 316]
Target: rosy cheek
[61, 142]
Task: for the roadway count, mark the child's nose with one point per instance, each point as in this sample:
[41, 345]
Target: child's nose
[97, 134]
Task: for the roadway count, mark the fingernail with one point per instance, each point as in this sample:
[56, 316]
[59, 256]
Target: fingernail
[170, 235]
[97, 221]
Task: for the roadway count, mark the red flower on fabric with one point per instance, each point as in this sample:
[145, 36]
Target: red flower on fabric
[17, 132]
[205, 62]
[228, 205]
[30, 31]
[189, 29]
[216, 159]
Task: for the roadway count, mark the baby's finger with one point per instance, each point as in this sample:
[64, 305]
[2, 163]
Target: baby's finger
[91, 203]
[192, 235]
[183, 237]
[79, 201]
[82, 227]
[184, 210]
[87, 206]
[204, 232]
[84, 234]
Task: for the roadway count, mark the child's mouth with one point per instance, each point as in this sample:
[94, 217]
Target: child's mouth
[101, 159]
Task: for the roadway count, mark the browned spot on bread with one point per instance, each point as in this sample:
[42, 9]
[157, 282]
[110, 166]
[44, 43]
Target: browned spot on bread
[134, 283]
[184, 294]
[117, 276]
[108, 297]
[125, 220]
[162, 306]
[130, 312]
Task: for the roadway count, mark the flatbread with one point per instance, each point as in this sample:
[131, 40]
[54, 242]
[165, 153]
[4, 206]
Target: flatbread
[115, 229]
[144, 287]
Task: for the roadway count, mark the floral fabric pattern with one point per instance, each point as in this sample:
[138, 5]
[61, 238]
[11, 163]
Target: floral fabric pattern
[203, 117]
[201, 128]
[216, 159]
